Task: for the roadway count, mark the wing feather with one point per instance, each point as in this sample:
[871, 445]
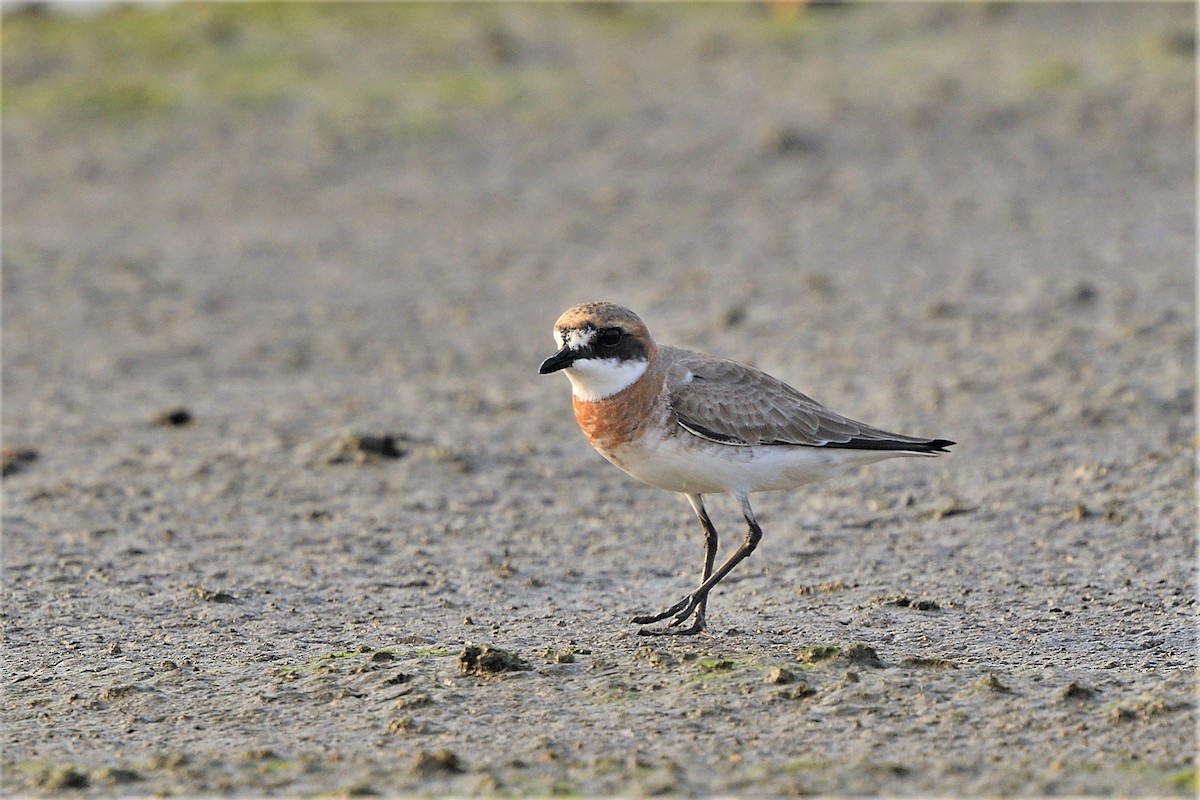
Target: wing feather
[735, 404]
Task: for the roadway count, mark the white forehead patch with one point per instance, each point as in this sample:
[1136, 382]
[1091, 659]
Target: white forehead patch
[595, 379]
[575, 338]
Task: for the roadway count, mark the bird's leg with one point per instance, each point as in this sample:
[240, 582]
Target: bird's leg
[697, 601]
[710, 555]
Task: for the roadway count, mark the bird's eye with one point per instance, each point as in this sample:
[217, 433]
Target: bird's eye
[610, 337]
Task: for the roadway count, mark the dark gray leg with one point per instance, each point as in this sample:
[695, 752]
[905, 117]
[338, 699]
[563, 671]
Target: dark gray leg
[711, 540]
[697, 601]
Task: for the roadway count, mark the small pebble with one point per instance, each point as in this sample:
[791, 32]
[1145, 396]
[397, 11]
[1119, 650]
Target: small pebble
[174, 417]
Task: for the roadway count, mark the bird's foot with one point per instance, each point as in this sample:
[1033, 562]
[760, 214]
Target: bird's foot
[684, 606]
[680, 613]
[696, 627]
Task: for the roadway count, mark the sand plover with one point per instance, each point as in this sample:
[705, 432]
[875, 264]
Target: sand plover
[697, 424]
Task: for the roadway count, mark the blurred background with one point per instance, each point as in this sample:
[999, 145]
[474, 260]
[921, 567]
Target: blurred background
[234, 232]
[423, 187]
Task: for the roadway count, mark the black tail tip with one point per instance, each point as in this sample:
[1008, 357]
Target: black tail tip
[939, 445]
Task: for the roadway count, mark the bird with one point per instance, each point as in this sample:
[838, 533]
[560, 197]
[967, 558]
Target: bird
[699, 424]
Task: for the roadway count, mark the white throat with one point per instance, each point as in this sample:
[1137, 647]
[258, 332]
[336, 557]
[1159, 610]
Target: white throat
[594, 379]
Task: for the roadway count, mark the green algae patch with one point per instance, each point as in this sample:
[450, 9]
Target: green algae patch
[351, 662]
[816, 653]
[858, 653]
[1186, 780]
[716, 668]
[147, 64]
[484, 659]
[432, 652]
[564, 656]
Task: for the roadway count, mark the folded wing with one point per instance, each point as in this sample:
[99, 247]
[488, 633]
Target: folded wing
[731, 403]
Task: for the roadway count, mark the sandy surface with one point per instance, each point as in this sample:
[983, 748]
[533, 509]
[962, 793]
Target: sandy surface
[974, 222]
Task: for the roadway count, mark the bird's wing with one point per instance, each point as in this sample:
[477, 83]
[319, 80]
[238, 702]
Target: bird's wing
[732, 403]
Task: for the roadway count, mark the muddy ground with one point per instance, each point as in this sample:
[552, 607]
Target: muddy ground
[310, 226]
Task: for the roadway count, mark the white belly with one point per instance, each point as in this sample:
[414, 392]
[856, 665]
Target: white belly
[683, 463]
